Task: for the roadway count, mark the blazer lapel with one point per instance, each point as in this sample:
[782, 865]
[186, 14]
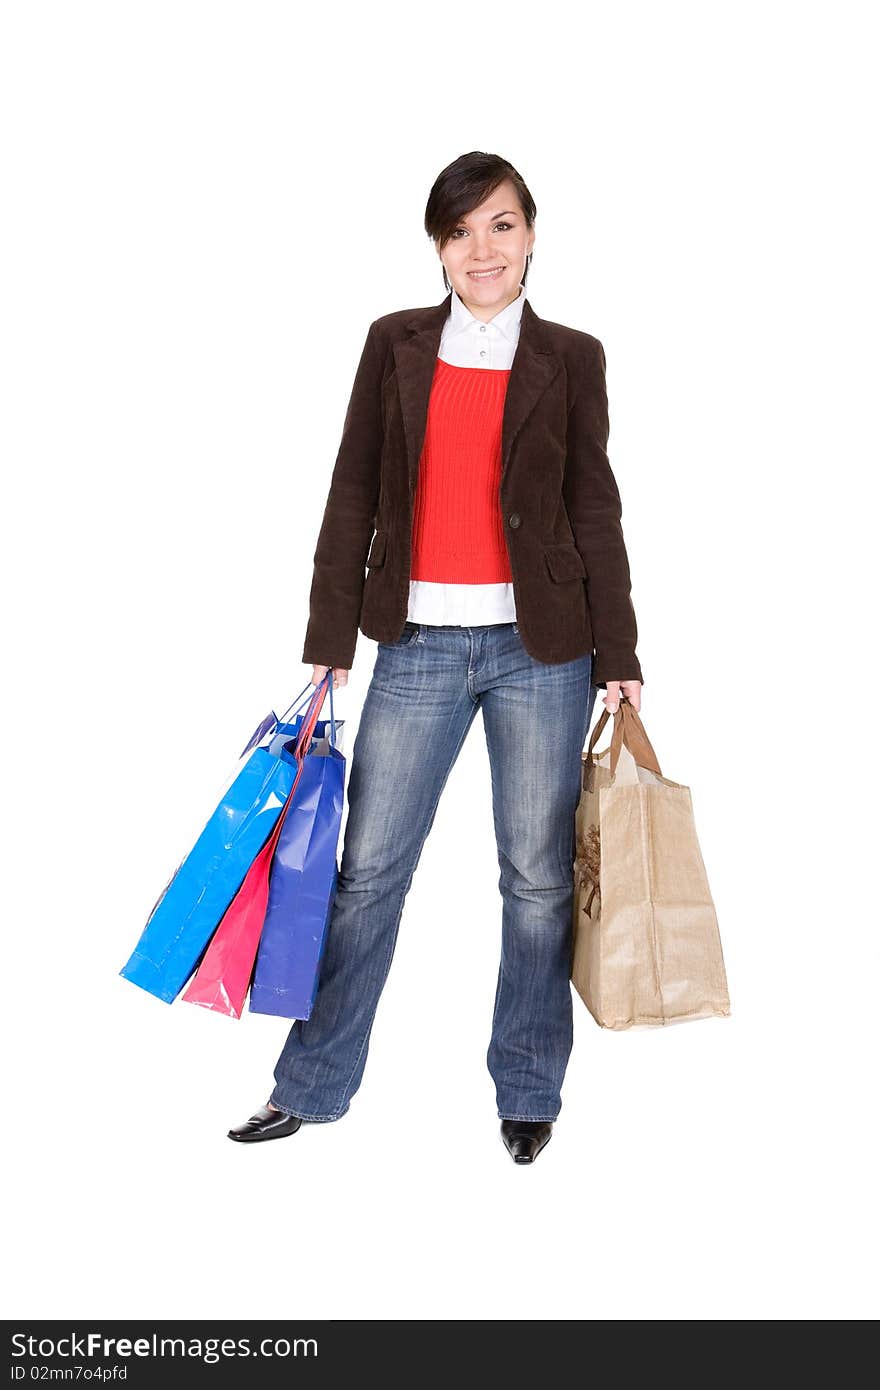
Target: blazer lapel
[535, 364]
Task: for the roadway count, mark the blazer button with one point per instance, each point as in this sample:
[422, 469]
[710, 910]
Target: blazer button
[514, 519]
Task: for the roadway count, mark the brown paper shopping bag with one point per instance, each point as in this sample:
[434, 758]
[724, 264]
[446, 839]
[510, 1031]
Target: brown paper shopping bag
[646, 949]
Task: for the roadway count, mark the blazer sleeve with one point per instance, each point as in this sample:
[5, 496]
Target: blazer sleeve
[347, 528]
[592, 500]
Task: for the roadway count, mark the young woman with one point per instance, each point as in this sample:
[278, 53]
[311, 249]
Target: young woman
[473, 484]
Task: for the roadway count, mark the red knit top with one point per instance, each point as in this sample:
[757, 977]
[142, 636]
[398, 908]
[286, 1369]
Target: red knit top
[458, 532]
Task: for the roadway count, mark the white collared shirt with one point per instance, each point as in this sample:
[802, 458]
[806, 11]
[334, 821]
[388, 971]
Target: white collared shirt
[468, 342]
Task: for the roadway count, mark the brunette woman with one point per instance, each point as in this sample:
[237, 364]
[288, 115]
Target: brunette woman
[473, 486]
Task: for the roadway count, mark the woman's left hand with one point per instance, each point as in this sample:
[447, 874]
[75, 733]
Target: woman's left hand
[613, 691]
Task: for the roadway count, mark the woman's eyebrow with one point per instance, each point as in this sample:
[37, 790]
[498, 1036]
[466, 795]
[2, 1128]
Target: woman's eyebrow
[509, 213]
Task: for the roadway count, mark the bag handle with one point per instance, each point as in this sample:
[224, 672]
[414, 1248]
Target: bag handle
[629, 731]
[272, 721]
[300, 748]
[315, 688]
[310, 718]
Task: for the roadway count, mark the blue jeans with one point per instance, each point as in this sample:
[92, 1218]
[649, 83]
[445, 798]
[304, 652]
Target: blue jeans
[425, 690]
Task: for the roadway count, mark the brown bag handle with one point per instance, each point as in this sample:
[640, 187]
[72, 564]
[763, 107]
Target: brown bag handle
[628, 730]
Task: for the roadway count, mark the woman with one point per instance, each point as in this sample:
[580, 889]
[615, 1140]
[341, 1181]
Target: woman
[473, 483]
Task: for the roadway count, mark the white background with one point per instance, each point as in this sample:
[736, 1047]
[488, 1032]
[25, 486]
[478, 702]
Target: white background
[205, 207]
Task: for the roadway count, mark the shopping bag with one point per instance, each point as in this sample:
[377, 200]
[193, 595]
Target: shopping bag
[223, 977]
[646, 948]
[302, 887]
[197, 894]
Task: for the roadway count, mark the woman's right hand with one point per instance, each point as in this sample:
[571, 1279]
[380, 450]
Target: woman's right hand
[340, 677]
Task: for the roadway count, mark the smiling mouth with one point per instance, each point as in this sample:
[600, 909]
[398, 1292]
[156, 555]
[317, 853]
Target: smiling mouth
[487, 274]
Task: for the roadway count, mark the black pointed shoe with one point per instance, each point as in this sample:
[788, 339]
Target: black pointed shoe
[265, 1124]
[525, 1138]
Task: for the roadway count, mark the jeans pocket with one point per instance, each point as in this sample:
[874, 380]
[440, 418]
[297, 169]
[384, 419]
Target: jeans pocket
[515, 627]
[406, 638]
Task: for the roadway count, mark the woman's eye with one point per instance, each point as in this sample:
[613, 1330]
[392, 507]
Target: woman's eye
[507, 225]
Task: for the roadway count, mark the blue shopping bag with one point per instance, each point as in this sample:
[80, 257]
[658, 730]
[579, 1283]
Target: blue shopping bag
[302, 886]
[200, 890]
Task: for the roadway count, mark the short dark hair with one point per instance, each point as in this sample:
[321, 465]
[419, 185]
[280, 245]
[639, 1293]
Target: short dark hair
[462, 186]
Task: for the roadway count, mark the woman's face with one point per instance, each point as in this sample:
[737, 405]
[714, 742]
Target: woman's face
[493, 237]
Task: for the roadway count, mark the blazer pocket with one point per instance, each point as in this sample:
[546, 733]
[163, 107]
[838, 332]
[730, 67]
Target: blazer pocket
[377, 549]
[564, 562]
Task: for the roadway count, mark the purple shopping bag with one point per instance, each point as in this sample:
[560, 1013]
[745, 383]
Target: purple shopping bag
[302, 886]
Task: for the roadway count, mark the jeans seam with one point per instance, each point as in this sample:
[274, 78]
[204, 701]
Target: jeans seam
[301, 1114]
[501, 867]
[535, 1119]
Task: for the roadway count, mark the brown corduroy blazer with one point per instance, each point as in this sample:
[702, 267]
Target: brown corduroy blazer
[559, 500]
